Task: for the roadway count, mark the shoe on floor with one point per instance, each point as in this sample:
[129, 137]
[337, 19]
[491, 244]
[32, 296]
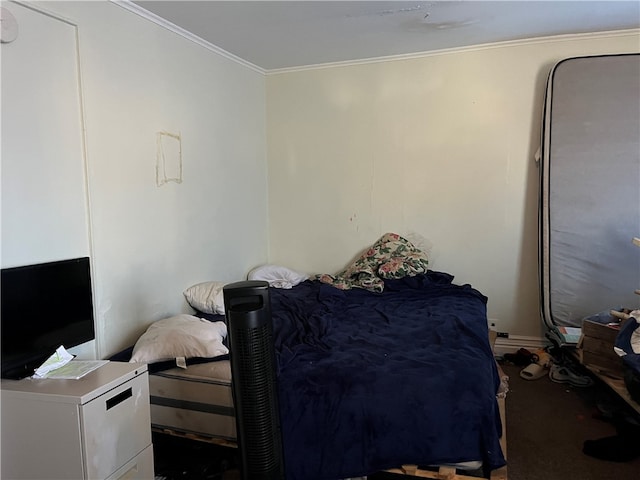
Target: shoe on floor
[533, 372]
[562, 374]
[543, 357]
[522, 357]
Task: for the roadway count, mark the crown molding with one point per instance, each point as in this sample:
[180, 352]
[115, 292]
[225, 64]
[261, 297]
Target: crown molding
[138, 10]
[470, 48]
[152, 17]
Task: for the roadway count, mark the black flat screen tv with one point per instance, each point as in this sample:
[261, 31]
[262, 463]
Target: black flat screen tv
[42, 307]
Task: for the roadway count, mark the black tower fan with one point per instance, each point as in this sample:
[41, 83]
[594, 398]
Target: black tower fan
[253, 379]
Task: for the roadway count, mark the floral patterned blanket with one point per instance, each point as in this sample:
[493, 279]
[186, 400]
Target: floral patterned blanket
[392, 256]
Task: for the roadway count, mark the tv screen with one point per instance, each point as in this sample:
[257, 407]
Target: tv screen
[42, 307]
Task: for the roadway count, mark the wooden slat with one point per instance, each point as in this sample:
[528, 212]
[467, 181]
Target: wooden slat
[447, 473]
[194, 436]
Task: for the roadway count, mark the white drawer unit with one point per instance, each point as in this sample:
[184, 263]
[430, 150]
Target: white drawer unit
[96, 427]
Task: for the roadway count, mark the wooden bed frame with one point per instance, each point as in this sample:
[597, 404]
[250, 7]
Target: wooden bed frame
[442, 473]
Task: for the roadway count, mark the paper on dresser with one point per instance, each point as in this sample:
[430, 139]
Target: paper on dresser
[75, 369]
[60, 358]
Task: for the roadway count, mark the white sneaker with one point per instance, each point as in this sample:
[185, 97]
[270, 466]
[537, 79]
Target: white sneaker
[562, 374]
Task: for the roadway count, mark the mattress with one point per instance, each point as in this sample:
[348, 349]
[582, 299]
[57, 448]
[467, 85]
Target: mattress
[197, 400]
[589, 195]
[367, 381]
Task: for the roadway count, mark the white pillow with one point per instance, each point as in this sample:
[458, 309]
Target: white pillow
[206, 297]
[277, 276]
[183, 336]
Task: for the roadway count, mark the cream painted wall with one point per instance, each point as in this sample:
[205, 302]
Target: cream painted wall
[44, 208]
[149, 243]
[439, 148]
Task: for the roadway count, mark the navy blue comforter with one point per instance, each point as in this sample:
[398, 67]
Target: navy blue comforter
[370, 381]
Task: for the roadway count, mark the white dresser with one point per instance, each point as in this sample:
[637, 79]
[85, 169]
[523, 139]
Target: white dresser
[97, 427]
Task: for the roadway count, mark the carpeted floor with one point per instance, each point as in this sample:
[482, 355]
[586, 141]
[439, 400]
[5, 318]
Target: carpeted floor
[547, 425]
[177, 458]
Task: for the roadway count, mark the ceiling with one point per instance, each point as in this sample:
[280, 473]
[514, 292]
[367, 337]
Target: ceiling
[272, 35]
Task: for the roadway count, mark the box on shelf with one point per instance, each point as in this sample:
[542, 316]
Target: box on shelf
[596, 348]
[602, 331]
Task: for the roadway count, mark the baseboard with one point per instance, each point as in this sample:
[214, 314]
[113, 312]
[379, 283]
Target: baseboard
[516, 342]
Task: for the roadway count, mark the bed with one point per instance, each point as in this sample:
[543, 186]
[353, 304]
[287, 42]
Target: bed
[398, 376]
